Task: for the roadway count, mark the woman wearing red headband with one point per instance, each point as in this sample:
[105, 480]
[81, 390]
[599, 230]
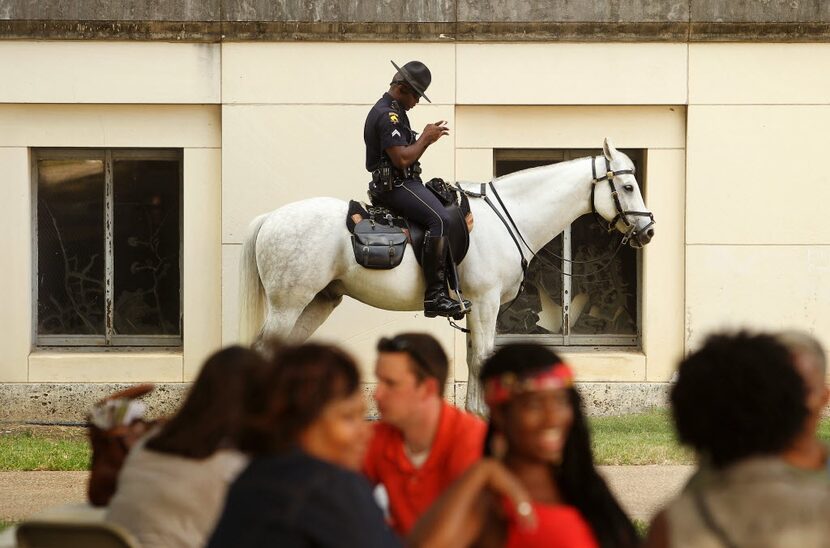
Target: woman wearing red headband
[538, 435]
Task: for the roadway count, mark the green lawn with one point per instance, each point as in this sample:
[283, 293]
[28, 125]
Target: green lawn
[824, 430]
[641, 527]
[645, 438]
[25, 450]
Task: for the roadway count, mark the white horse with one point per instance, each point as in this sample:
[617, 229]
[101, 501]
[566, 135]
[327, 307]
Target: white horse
[297, 261]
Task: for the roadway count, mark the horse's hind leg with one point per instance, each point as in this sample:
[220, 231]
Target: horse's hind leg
[315, 313]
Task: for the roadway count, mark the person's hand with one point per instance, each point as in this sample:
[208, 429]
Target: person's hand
[502, 481]
[433, 132]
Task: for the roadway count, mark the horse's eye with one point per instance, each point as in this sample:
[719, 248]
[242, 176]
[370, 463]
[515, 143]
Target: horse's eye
[629, 188]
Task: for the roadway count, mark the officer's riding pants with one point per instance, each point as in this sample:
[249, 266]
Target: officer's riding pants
[417, 203]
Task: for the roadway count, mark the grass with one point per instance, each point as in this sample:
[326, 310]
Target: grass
[29, 450]
[644, 438]
[824, 430]
[641, 527]
[647, 438]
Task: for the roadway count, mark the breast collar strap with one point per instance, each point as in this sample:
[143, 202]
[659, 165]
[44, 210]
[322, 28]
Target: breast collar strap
[622, 214]
[512, 231]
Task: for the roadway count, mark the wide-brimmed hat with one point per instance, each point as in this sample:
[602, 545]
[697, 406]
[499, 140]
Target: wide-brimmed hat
[417, 75]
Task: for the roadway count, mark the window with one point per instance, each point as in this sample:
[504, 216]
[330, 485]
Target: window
[596, 305]
[108, 247]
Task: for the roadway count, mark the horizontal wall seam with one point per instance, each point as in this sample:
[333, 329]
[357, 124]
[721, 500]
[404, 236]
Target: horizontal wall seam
[759, 104]
[289, 104]
[688, 244]
[491, 147]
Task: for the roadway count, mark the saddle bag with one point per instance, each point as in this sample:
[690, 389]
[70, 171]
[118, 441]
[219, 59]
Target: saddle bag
[378, 246]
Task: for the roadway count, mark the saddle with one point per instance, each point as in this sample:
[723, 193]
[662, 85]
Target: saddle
[380, 235]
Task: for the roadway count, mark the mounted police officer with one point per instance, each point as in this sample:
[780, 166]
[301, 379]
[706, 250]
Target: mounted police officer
[392, 153]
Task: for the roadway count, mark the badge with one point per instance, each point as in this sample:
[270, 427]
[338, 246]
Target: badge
[393, 117]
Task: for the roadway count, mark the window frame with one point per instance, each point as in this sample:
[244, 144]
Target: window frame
[109, 340]
[567, 340]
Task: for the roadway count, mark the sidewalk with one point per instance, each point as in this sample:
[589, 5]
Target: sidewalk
[25, 493]
[640, 489]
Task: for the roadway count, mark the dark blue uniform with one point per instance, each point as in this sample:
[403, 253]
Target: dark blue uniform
[387, 125]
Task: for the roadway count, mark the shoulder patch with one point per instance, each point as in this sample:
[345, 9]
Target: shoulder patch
[393, 117]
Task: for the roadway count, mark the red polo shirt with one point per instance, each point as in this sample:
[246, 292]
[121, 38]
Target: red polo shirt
[458, 444]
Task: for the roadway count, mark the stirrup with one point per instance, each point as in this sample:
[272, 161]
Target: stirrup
[453, 312]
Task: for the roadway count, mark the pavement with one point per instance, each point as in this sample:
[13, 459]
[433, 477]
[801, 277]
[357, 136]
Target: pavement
[640, 489]
[23, 494]
[643, 490]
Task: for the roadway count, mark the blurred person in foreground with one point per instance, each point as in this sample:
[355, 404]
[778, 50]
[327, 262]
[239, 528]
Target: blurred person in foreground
[807, 451]
[309, 437]
[538, 434]
[421, 443]
[740, 403]
[172, 487]
[307, 434]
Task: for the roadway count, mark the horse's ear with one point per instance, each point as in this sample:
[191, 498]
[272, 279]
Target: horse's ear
[609, 150]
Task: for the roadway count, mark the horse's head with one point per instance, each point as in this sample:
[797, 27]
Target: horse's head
[617, 199]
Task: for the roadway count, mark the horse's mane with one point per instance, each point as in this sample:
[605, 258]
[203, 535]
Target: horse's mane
[552, 167]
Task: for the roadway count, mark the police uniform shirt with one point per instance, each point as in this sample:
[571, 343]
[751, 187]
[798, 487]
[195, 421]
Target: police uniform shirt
[387, 125]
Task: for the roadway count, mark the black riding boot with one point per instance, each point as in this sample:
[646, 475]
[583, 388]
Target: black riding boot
[437, 301]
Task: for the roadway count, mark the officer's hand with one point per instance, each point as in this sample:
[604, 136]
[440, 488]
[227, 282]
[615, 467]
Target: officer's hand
[433, 132]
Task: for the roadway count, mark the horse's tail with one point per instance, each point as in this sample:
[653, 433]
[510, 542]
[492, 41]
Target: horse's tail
[251, 290]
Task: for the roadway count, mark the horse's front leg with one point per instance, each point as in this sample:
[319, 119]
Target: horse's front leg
[482, 325]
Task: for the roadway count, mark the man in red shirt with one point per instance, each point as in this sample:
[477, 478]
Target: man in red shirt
[422, 443]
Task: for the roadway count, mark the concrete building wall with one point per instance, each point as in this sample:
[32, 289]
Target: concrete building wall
[111, 95]
[733, 134]
[757, 251]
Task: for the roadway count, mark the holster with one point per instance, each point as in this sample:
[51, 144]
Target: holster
[386, 176]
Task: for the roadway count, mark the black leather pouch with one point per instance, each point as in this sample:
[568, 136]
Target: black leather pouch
[378, 246]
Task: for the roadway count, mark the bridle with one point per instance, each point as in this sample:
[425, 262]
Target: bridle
[622, 214]
[516, 235]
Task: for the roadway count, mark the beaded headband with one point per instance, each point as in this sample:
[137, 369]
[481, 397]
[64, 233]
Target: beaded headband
[498, 390]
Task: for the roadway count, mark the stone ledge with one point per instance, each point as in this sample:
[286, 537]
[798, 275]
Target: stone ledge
[607, 11]
[462, 31]
[70, 402]
[166, 31]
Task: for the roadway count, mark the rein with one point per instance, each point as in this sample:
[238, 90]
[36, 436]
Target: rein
[608, 226]
[516, 234]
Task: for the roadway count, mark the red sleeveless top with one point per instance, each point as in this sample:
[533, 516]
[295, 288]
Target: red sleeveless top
[557, 526]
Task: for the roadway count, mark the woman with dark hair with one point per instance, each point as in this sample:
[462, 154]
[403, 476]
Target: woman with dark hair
[537, 432]
[173, 483]
[308, 434]
[739, 401]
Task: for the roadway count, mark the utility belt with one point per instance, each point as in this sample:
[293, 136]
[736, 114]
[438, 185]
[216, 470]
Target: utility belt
[386, 176]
